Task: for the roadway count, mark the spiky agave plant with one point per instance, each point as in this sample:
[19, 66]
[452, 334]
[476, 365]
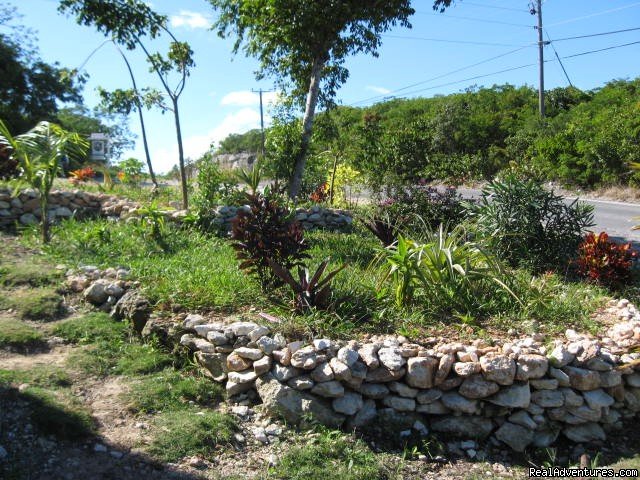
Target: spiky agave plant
[310, 291]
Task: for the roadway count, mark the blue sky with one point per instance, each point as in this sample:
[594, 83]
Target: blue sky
[421, 61]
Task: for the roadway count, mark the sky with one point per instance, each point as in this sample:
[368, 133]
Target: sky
[479, 42]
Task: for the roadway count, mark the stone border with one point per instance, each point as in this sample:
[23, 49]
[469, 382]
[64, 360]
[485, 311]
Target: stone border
[24, 208]
[520, 394]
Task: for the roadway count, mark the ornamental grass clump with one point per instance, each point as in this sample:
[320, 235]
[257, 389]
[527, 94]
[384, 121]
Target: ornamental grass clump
[449, 271]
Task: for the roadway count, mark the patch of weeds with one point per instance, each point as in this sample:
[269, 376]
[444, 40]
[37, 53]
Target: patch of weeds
[120, 357]
[329, 455]
[90, 328]
[42, 376]
[65, 419]
[40, 304]
[138, 359]
[171, 390]
[184, 433]
[32, 274]
[14, 333]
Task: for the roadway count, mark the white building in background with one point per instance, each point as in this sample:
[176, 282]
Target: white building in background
[100, 148]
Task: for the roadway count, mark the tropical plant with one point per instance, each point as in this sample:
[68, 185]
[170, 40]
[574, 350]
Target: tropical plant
[267, 231]
[152, 219]
[605, 261]
[453, 273]
[81, 175]
[528, 225]
[251, 177]
[39, 153]
[310, 291]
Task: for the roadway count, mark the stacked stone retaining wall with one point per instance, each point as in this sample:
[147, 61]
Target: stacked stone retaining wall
[525, 393]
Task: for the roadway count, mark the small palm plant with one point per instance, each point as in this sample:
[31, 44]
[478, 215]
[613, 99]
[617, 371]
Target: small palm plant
[38, 153]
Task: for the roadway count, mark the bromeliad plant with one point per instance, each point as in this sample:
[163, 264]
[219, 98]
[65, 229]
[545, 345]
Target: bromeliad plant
[451, 272]
[267, 231]
[38, 153]
[310, 291]
[605, 261]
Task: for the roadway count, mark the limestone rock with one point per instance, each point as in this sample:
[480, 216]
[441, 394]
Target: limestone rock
[458, 403]
[249, 353]
[365, 416]
[375, 391]
[214, 364]
[517, 395]
[135, 307]
[349, 404]
[420, 372]
[582, 379]
[330, 389]
[444, 367]
[391, 358]
[322, 373]
[235, 363]
[598, 399]
[477, 387]
[429, 396]
[531, 366]
[466, 369]
[498, 368]
[282, 401]
[305, 358]
[464, 426]
[516, 436]
[587, 432]
[382, 375]
[548, 398]
[401, 404]
[262, 366]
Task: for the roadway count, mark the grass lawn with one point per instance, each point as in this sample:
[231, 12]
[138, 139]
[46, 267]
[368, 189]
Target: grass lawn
[14, 333]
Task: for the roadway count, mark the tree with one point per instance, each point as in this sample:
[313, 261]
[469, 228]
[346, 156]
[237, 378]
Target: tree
[304, 45]
[38, 153]
[127, 22]
[126, 101]
[30, 89]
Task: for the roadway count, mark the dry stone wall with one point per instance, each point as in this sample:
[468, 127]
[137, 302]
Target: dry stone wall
[525, 393]
[312, 218]
[24, 208]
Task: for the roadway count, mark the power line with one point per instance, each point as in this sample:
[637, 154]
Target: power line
[472, 19]
[487, 60]
[511, 69]
[495, 7]
[602, 49]
[597, 34]
[575, 19]
[558, 57]
[442, 40]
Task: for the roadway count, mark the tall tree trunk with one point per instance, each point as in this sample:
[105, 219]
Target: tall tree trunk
[333, 179]
[142, 127]
[307, 126]
[183, 173]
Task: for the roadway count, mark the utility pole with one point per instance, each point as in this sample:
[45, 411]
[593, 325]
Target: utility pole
[538, 10]
[260, 92]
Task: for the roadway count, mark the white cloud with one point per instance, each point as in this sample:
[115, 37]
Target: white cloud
[195, 145]
[380, 90]
[189, 19]
[247, 98]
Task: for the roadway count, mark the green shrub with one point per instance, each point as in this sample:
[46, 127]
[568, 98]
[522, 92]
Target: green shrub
[454, 274]
[412, 209]
[529, 226]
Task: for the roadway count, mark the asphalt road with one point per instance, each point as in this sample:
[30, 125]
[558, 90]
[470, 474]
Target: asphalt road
[615, 218]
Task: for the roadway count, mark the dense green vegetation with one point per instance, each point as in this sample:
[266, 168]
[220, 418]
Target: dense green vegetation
[588, 139]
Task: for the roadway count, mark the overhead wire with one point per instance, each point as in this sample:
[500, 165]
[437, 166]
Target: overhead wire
[461, 69]
[575, 19]
[473, 19]
[476, 77]
[597, 34]
[443, 40]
